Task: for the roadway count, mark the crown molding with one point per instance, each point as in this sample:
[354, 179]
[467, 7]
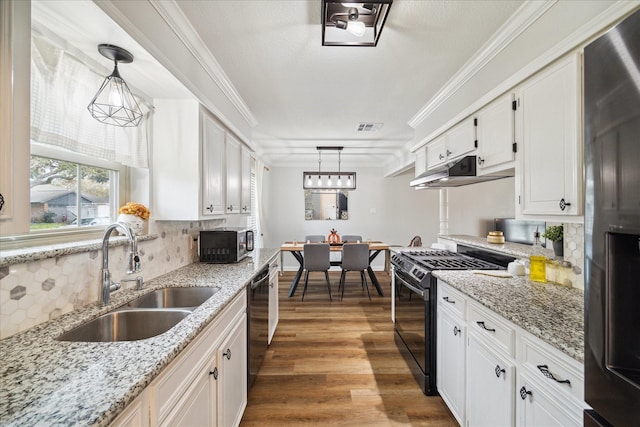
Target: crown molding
[526, 15]
[175, 18]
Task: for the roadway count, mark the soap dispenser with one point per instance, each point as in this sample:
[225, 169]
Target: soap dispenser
[537, 261]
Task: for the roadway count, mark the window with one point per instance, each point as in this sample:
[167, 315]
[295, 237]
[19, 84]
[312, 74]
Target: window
[66, 194]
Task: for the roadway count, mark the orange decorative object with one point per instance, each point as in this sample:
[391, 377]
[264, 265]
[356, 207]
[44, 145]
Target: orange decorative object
[333, 237]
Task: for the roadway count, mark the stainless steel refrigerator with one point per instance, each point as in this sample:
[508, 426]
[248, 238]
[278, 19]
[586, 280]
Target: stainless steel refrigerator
[612, 226]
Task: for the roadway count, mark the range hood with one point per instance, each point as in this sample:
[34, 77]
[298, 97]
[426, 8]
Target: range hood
[462, 172]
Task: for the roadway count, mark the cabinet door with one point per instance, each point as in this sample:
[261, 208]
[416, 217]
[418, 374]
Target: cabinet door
[420, 165]
[495, 134]
[136, 413]
[213, 167]
[437, 152]
[234, 154]
[273, 299]
[490, 387]
[197, 407]
[552, 165]
[451, 372]
[461, 139]
[245, 172]
[232, 381]
[537, 407]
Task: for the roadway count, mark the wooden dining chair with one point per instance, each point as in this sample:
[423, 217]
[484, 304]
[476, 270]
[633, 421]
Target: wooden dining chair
[316, 258]
[355, 257]
[351, 238]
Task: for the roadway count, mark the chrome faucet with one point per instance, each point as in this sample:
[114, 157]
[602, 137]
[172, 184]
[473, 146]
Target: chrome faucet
[107, 286]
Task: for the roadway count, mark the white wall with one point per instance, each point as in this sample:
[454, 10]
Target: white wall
[385, 209]
[472, 208]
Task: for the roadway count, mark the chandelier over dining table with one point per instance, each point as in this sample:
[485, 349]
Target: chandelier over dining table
[329, 180]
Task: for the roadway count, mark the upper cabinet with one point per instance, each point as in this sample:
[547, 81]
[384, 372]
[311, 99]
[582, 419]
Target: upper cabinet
[245, 180]
[453, 144]
[196, 163]
[548, 117]
[496, 143]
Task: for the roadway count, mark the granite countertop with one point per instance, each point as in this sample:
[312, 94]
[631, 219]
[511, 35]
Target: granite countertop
[553, 313]
[517, 250]
[49, 382]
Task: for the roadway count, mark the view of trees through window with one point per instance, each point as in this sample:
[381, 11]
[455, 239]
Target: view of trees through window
[67, 194]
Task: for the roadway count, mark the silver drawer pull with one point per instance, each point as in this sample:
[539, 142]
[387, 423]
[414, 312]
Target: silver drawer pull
[482, 325]
[547, 373]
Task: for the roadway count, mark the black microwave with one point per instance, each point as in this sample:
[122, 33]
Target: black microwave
[225, 245]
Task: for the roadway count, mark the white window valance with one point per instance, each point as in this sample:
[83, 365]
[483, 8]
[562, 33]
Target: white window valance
[62, 85]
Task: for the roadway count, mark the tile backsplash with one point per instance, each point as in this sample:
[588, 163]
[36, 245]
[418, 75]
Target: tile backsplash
[37, 291]
[574, 252]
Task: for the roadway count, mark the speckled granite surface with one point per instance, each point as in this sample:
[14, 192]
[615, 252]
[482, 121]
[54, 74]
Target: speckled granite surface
[17, 256]
[553, 313]
[514, 249]
[48, 382]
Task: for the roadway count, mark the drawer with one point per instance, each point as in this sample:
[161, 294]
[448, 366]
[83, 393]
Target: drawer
[452, 299]
[493, 328]
[552, 368]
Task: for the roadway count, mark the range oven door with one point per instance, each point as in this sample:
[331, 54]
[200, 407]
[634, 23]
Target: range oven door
[415, 330]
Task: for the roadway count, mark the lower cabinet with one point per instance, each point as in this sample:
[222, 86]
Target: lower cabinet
[451, 371]
[490, 386]
[491, 372]
[206, 385]
[274, 305]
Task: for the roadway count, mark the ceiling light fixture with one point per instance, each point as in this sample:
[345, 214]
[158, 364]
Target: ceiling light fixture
[114, 103]
[325, 181]
[353, 24]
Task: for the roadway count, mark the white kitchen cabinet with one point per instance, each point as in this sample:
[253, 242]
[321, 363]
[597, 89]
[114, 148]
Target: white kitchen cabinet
[245, 181]
[420, 165]
[15, 36]
[274, 305]
[549, 131]
[496, 139]
[451, 353]
[537, 408]
[213, 166]
[206, 385]
[453, 144]
[234, 154]
[232, 380]
[136, 414]
[490, 386]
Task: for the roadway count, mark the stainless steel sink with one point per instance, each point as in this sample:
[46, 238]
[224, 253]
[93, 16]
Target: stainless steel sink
[174, 298]
[129, 325]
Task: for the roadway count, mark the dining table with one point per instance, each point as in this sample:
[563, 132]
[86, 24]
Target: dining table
[297, 250]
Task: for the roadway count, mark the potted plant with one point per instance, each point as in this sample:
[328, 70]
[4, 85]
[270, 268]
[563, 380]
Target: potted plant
[555, 233]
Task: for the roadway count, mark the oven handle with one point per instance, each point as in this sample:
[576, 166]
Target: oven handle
[411, 287]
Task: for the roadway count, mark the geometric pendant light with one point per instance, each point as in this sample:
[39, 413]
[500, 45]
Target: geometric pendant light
[114, 104]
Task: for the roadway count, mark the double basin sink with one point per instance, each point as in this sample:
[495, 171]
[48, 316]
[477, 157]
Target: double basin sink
[145, 317]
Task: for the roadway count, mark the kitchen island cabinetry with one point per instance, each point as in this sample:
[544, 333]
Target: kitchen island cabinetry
[456, 142]
[496, 149]
[207, 384]
[549, 118]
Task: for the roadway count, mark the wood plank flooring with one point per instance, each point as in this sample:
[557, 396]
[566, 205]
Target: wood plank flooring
[336, 364]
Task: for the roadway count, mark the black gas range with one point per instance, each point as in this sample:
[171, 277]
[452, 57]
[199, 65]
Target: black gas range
[415, 300]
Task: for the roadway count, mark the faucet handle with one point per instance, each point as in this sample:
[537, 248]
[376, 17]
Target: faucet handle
[139, 282]
[134, 263]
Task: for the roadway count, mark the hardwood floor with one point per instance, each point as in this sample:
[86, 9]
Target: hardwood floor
[336, 364]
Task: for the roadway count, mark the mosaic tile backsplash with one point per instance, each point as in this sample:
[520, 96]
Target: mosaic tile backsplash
[37, 291]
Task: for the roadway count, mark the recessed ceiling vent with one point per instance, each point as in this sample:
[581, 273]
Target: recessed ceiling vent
[369, 127]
